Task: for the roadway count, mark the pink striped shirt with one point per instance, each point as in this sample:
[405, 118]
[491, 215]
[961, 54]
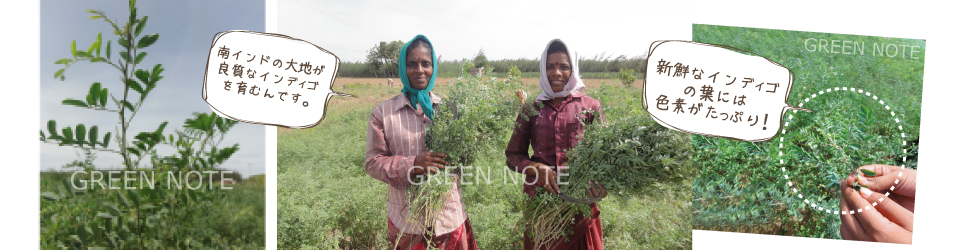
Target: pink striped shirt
[395, 135]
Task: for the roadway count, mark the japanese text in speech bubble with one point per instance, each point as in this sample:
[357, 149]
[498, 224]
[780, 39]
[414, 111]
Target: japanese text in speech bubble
[716, 90]
[269, 79]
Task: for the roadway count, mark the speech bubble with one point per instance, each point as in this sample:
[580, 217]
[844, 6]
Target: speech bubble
[716, 90]
[269, 79]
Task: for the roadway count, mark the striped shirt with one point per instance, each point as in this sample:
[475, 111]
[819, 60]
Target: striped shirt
[395, 135]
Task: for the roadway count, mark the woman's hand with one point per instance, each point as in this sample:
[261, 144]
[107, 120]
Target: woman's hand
[429, 162]
[546, 175]
[882, 218]
[595, 189]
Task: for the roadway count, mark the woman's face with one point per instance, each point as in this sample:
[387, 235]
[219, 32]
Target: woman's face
[559, 69]
[419, 67]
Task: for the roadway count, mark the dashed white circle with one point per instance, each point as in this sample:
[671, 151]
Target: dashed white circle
[790, 183]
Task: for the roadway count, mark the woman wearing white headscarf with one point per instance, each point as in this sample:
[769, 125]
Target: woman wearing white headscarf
[556, 128]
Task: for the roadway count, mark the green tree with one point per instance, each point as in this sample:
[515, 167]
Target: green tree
[384, 58]
[513, 71]
[480, 60]
[626, 76]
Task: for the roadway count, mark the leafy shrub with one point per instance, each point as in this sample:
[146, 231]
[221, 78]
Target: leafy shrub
[513, 71]
[626, 76]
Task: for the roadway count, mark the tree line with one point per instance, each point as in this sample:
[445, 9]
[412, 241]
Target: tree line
[382, 62]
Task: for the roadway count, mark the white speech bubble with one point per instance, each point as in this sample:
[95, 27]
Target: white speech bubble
[269, 79]
[722, 91]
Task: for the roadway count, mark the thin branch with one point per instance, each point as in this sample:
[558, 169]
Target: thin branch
[80, 147]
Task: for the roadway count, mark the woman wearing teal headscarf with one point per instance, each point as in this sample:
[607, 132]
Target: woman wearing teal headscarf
[396, 153]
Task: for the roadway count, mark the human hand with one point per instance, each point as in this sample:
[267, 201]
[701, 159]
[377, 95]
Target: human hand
[884, 179]
[878, 217]
[547, 176]
[595, 189]
[429, 162]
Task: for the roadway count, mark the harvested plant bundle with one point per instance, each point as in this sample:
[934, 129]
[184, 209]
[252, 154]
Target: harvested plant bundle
[626, 155]
[475, 116]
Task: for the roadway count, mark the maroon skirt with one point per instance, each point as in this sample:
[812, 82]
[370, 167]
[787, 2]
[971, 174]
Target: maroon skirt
[460, 239]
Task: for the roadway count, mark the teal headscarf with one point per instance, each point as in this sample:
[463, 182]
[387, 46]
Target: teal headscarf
[418, 96]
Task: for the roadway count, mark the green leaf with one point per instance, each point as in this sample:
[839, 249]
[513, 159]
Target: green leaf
[108, 49]
[93, 134]
[123, 42]
[134, 151]
[113, 209]
[142, 75]
[122, 199]
[125, 56]
[868, 172]
[50, 196]
[161, 127]
[139, 57]
[129, 106]
[134, 85]
[132, 13]
[83, 54]
[42, 135]
[98, 46]
[80, 133]
[104, 215]
[52, 128]
[68, 135]
[74, 102]
[157, 69]
[93, 94]
[89, 99]
[147, 40]
[140, 25]
[103, 96]
[64, 61]
[73, 51]
[98, 59]
[60, 73]
[95, 45]
[105, 140]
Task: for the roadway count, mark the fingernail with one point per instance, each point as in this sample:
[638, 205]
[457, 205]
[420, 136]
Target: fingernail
[862, 180]
[865, 192]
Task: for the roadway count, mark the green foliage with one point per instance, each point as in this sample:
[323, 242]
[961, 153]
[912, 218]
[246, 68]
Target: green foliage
[383, 59]
[154, 217]
[477, 115]
[629, 154]
[626, 76]
[741, 185]
[513, 71]
[480, 60]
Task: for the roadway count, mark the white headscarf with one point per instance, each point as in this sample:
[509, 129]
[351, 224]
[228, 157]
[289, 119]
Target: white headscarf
[574, 84]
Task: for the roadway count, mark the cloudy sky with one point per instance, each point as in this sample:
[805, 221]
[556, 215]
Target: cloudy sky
[186, 29]
[505, 29]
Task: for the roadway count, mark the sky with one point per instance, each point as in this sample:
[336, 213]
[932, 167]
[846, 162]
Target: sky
[186, 29]
[504, 29]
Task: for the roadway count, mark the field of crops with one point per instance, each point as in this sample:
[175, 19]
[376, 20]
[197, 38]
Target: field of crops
[743, 187]
[140, 219]
[327, 201]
